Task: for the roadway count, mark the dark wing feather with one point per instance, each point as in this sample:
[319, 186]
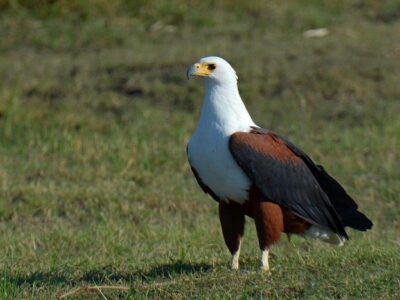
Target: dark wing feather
[203, 186]
[345, 206]
[284, 178]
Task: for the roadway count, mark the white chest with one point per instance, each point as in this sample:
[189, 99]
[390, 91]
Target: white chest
[209, 154]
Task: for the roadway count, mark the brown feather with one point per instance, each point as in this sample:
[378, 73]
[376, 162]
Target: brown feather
[283, 177]
[270, 219]
[268, 144]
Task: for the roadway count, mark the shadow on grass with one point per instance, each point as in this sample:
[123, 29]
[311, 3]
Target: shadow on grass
[106, 274]
[173, 269]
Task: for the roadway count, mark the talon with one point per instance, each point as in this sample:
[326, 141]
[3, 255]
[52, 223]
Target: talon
[266, 272]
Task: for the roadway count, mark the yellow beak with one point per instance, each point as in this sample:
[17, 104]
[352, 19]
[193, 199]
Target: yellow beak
[201, 70]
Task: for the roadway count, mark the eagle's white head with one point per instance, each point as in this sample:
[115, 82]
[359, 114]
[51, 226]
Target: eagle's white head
[222, 107]
[214, 70]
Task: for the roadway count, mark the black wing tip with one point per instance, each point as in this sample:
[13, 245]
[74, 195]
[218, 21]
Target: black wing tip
[359, 222]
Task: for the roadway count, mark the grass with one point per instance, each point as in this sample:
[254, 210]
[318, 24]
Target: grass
[95, 114]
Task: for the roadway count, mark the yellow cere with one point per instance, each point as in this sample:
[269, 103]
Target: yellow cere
[204, 69]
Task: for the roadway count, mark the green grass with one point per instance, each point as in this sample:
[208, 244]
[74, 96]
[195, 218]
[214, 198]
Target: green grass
[95, 114]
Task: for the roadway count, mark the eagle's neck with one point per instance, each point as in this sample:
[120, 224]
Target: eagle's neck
[223, 109]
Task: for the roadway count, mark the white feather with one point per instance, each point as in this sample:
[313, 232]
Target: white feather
[317, 232]
[222, 114]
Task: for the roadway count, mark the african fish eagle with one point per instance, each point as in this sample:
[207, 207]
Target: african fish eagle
[254, 172]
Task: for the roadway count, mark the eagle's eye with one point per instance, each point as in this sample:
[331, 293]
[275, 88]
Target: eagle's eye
[211, 66]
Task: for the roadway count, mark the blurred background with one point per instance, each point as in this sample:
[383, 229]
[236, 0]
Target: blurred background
[96, 111]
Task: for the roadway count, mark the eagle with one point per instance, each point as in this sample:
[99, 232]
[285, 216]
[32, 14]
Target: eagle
[254, 172]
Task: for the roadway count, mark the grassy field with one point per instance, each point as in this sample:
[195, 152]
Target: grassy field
[95, 114]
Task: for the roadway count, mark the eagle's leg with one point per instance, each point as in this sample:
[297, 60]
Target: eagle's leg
[265, 260]
[231, 217]
[269, 224]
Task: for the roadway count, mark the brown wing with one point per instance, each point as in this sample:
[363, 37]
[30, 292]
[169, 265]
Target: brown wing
[284, 178]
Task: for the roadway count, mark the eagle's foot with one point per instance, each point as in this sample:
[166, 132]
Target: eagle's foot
[266, 270]
[264, 261]
[235, 260]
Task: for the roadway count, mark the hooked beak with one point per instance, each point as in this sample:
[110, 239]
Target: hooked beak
[197, 69]
[189, 72]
